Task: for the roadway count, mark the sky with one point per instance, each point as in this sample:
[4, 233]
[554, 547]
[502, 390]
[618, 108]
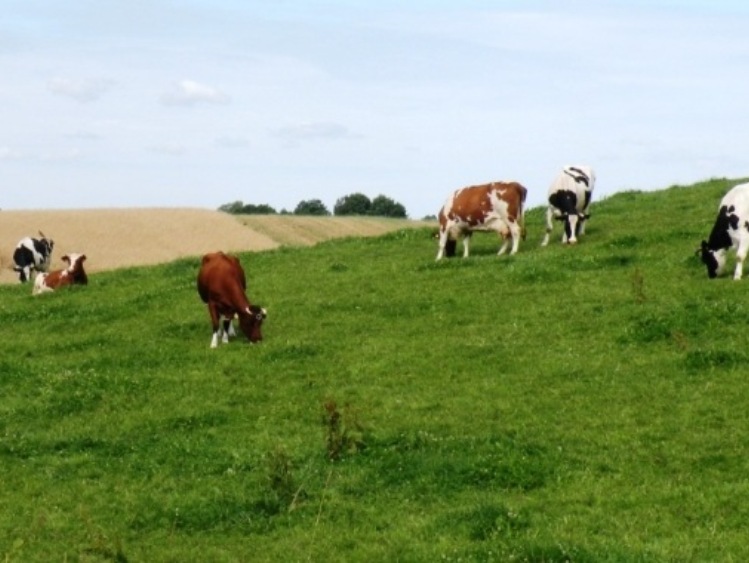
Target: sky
[199, 103]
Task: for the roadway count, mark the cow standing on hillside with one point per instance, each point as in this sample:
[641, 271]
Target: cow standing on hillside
[497, 206]
[569, 198]
[222, 286]
[731, 230]
[74, 274]
[32, 254]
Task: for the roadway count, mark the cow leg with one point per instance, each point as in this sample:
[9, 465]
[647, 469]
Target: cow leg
[226, 323]
[581, 226]
[39, 285]
[442, 243]
[741, 253]
[549, 226]
[214, 324]
[503, 247]
[466, 244]
[228, 330]
[515, 233]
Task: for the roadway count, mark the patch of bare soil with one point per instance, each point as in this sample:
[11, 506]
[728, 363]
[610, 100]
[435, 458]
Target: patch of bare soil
[117, 238]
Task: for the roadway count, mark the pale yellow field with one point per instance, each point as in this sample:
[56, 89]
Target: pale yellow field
[115, 238]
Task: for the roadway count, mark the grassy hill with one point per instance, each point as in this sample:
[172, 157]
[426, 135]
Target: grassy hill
[565, 404]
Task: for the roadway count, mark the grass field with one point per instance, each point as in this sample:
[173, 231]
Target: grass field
[564, 404]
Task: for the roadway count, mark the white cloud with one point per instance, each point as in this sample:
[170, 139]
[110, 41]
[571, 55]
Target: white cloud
[319, 130]
[10, 154]
[189, 92]
[62, 155]
[232, 142]
[82, 90]
[170, 150]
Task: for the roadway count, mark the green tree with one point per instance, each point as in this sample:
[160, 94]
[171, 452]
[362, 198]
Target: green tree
[258, 209]
[385, 207]
[352, 204]
[311, 207]
[233, 207]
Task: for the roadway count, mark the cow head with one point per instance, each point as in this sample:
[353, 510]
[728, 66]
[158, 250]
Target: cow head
[572, 221]
[715, 260]
[47, 244]
[251, 321]
[75, 267]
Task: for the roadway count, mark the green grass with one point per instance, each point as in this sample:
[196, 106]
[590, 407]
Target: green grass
[564, 404]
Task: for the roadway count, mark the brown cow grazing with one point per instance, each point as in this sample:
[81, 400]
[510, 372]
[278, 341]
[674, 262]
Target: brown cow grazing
[74, 274]
[223, 286]
[489, 207]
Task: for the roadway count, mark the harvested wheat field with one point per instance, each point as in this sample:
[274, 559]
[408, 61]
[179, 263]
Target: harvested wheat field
[117, 238]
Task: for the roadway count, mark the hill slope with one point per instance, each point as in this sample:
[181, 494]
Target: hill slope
[116, 238]
[565, 404]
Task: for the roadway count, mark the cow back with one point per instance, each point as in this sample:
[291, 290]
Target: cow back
[220, 275]
[473, 204]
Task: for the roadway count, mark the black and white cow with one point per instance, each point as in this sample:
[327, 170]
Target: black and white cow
[731, 230]
[569, 197]
[32, 254]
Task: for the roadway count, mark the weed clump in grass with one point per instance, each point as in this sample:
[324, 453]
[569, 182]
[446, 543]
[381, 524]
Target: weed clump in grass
[343, 431]
[281, 482]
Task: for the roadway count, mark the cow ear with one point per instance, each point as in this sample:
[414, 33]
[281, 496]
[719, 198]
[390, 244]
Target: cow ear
[66, 258]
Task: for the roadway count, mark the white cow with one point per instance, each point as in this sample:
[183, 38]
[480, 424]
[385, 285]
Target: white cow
[569, 197]
[731, 230]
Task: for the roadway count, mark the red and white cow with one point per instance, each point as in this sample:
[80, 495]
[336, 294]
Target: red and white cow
[497, 206]
[222, 285]
[74, 274]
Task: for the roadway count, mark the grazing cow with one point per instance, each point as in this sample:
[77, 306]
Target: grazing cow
[223, 286]
[32, 254]
[73, 274]
[731, 230]
[489, 207]
[569, 198]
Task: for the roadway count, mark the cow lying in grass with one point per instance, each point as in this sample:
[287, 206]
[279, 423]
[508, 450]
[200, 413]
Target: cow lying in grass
[74, 274]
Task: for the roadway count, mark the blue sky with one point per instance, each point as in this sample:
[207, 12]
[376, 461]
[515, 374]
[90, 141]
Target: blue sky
[198, 103]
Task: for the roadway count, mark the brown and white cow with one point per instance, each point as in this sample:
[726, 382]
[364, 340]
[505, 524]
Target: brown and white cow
[74, 274]
[497, 206]
[223, 286]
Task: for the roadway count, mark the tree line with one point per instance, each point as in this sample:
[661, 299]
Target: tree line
[352, 204]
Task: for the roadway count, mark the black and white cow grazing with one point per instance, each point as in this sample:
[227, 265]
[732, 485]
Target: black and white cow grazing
[32, 254]
[569, 198]
[731, 230]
